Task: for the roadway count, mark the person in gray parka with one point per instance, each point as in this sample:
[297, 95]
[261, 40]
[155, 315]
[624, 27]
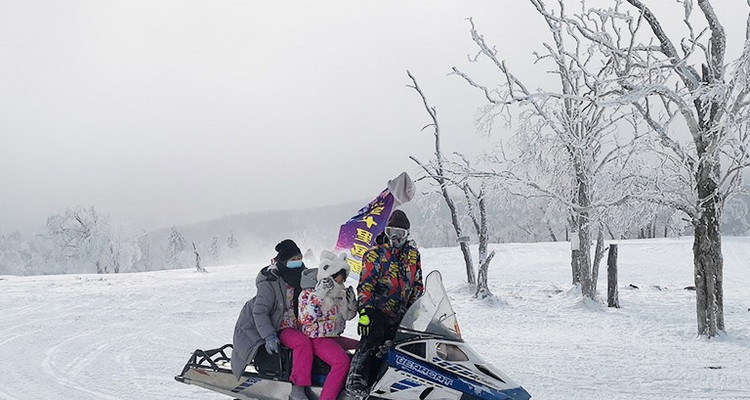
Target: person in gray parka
[272, 317]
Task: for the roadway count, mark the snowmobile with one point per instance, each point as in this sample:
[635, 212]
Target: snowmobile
[426, 360]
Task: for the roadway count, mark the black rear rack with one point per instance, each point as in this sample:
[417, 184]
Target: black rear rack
[206, 358]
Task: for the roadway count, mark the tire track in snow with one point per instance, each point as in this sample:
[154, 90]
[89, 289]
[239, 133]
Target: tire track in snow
[68, 374]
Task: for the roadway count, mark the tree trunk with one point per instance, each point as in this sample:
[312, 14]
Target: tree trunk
[575, 262]
[198, 266]
[468, 262]
[598, 255]
[482, 231]
[707, 257]
[549, 227]
[613, 297]
[459, 232]
[611, 235]
[483, 290]
[581, 258]
[584, 261]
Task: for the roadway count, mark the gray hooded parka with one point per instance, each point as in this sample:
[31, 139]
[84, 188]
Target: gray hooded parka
[260, 318]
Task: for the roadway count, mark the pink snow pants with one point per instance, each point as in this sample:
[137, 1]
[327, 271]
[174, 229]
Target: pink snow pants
[302, 355]
[332, 350]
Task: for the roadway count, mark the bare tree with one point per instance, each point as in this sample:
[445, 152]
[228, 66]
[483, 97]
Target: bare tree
[198, 266]
[684, 84]
[476, 204]
[437, 172]
[176, 243]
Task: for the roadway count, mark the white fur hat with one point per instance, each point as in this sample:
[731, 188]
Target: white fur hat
[330, 264]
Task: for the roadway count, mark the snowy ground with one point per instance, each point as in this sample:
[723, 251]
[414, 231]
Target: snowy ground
[125, 336]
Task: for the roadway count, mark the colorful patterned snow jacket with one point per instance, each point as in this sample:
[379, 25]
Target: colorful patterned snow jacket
[391, 280]
[323, 320]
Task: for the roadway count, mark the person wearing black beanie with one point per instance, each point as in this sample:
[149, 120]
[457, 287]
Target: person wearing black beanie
[389, 283]
[398, 219]
[262, 324]
[287, 249]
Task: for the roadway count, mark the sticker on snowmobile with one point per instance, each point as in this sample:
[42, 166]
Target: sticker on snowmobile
[423, 371]
[244, 385]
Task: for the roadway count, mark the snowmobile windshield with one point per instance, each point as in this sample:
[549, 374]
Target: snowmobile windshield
[432, 313]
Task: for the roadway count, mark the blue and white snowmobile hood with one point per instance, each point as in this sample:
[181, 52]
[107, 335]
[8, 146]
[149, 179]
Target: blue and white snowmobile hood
[436, 352]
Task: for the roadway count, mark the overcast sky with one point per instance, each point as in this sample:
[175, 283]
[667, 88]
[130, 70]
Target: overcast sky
[173, 111]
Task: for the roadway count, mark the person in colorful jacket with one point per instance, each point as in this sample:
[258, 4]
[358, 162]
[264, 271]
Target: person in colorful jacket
[323, 312]
[390, 282]
[272, 317]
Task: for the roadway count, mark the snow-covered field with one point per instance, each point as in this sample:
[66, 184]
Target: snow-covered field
[125, 336]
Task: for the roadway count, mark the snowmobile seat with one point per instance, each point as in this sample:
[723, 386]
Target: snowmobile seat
[276, 366]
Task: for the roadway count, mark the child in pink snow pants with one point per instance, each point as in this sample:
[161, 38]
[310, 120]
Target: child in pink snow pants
[302, 356]
[323, 312]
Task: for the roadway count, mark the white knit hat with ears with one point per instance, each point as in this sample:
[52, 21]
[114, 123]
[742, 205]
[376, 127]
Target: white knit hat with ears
[330, 264]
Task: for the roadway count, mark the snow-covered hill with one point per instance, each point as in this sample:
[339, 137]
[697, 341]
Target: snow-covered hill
[125, 336]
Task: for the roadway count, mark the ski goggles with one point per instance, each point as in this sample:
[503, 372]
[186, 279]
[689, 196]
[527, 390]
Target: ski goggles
[396, 233]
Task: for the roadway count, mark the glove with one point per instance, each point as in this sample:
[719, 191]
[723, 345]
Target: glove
[351, 300]
[323, 286]
[272, 344]
[363, 326]
[370, 322]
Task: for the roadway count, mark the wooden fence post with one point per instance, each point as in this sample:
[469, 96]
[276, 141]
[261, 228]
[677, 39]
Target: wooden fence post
[613, 298]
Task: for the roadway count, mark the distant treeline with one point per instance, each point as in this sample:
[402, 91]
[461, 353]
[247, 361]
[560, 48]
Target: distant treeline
[84, 240]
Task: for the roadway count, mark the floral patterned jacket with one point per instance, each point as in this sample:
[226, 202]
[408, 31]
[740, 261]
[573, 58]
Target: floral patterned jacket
[324, 316]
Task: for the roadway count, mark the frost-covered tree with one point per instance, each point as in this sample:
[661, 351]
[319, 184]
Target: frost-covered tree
[697, 104]
[737, 215]
[147, 256]
[15, 255]
[82, 240]
[566, 143]
[232, 241]
[214, 250]
[436, 228]
[176, 244]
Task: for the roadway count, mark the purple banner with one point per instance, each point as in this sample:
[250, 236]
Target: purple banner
[357, 235]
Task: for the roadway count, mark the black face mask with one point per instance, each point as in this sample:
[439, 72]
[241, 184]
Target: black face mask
[292, 277]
